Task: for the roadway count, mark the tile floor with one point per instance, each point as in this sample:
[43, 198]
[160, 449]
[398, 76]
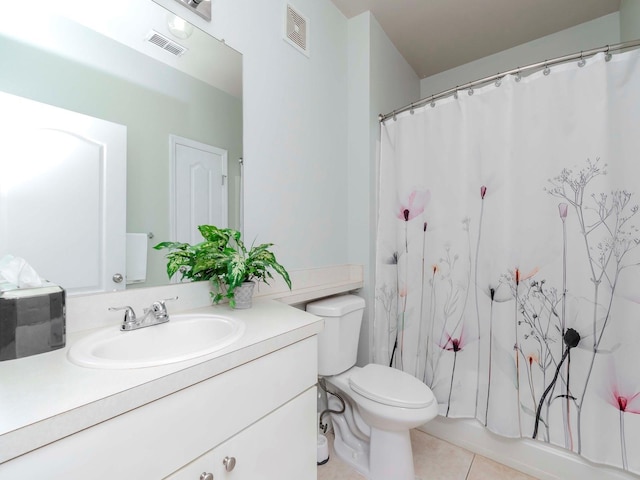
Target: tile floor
[434, 459]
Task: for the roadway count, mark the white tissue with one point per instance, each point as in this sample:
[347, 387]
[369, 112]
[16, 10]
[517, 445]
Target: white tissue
[18, 272]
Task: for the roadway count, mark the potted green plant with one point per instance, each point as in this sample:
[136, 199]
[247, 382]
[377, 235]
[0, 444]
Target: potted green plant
[223, 259]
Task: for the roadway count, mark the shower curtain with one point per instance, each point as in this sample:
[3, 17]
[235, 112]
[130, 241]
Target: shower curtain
[508, 255]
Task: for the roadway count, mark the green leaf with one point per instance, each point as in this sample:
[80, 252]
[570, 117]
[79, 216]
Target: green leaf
[283, 273]
[162, 245]
[213, 233]
[236, 270]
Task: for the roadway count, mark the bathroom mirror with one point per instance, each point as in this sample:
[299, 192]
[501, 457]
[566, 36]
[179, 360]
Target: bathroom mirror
[133, 63]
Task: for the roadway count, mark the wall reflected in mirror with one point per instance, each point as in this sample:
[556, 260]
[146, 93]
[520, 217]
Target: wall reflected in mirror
[103, 65]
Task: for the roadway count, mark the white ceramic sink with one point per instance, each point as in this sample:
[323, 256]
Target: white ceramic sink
[183, 337]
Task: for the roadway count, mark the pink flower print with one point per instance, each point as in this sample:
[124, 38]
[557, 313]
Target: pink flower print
[453, 344]
[624, 400]
[563, 209]
[483, 192]
[414, 205]
[519, 276]
[409, 209]
[531, 358]
[621, 397]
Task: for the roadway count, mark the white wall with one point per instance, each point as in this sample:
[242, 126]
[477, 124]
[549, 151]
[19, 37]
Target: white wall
[629, 20]
[361, 182]
[295, 128]
[596, 33]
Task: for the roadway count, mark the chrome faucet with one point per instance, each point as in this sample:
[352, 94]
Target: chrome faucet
[154, 315]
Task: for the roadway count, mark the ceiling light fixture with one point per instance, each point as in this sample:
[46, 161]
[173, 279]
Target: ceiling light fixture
[179, 27]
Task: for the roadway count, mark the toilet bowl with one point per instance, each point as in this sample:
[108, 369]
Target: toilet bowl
[389, 403]
[381, 404]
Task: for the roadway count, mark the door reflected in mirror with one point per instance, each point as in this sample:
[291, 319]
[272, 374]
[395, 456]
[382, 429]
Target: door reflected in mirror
[102, 65]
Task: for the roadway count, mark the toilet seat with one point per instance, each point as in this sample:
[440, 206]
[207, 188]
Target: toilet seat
[390, 386]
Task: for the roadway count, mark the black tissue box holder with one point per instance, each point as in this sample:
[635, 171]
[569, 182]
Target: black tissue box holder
[32, 320]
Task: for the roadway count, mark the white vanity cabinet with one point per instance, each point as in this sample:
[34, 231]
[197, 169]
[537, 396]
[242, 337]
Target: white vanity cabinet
[262, 412]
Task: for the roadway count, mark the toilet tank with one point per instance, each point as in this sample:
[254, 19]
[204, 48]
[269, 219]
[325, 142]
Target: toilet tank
[338, 342]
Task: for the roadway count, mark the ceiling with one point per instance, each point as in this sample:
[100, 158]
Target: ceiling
[437, 35]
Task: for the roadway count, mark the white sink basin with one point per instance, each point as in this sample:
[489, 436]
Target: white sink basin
[183, 337]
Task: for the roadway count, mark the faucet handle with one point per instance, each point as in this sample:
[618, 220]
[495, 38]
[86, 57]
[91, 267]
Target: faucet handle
[129, 314]
[170, 299]
[159, 308]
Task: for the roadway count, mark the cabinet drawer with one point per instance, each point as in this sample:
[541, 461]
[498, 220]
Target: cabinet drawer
[280, 446]
[156, 439]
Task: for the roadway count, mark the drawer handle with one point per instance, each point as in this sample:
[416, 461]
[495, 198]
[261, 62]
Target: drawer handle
[229, 463]
[206, 476]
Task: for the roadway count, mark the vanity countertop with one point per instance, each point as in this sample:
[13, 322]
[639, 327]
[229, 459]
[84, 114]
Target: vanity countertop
[44, 398]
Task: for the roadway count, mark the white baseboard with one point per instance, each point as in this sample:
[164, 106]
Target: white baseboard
[534, 458]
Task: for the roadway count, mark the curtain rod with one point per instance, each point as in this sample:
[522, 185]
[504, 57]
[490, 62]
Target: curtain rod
[516, 71]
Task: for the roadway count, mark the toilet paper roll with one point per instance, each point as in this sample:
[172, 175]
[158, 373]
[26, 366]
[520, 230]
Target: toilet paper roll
[137, 244]
[323, 450]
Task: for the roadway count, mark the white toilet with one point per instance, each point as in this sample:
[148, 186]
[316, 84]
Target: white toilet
[381, 403]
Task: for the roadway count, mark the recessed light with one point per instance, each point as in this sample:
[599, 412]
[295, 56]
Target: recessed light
[179, 27]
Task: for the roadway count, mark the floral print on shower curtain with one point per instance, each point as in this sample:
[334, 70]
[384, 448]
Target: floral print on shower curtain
[508, 255]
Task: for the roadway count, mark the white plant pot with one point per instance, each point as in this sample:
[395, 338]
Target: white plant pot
[243, 295]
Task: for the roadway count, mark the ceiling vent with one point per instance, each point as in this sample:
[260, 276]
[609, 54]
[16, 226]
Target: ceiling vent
[166, 44]
[297, 30]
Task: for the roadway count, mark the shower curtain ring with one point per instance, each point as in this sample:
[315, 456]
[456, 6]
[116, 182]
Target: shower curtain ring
[498, 80]
[433, 103]
[582, 61]
[394, 115]
[455, 94]
[411, 111]
[546, 70]
[607, 55]
[518, 75]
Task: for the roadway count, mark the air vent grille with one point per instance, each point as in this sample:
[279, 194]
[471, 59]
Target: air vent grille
[297, 30]
[166, 44]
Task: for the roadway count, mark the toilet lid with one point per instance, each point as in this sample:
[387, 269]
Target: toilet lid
[389, 386]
